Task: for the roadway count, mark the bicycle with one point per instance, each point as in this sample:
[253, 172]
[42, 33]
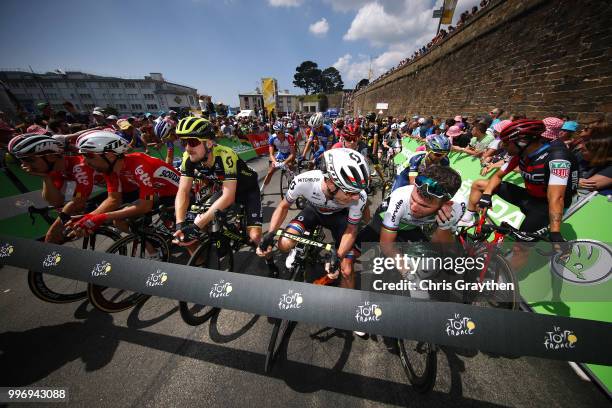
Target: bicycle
[496, 268]
[148, 239]
[225, 235]
[286, 178]
[55, 289]
[306, 254]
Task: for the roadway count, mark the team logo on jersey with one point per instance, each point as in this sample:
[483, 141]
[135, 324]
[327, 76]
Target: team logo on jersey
[588, 263]
[560, 168]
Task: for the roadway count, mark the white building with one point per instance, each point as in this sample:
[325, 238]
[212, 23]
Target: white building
[86, 91]
[286, 102]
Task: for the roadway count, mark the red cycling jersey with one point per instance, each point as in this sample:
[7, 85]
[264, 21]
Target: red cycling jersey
[150, 175]
[76, 180]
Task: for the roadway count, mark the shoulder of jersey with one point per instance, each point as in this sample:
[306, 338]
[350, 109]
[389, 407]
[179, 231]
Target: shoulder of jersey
[309, 175]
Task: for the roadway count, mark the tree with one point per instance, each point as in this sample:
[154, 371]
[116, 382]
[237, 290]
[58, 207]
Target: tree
[362, 83]
[331, 80]
[221, 109]
[308, 77]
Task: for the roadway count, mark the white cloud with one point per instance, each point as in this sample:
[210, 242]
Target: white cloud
[285, 3]
[320, 28]
[398, 27]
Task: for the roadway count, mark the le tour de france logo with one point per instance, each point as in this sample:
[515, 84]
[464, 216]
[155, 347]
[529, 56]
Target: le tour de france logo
[53, 259]
[290, 300]
[101, 269]
[589, 263]
[560, 339]
[6, 250]
[221, 289]
[157, 278]
[460, 326]
[368, 312]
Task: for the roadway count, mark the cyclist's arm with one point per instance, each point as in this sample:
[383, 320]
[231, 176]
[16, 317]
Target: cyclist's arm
[555, 195]
[306, 148]
[271, 151]
[228, 196]
[347, 240]
[142, 206]
[494, 181]
[50, 193]
[74, 206]
[181, 201]
[110, 203]
[291, 153]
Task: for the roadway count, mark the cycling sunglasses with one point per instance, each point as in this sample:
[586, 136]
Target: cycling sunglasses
[191, 142]
[438, 154]
[431, 188]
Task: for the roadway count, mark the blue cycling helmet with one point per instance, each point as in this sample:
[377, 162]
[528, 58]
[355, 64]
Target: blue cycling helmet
[438, 143]
[278, 126]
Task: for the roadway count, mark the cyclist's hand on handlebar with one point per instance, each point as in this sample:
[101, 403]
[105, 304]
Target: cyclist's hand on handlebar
[265, 246]
[186, 234]
[485, 201]
[86, 225]
[560, 245]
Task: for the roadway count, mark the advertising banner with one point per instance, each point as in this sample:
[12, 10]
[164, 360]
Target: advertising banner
[268, 86]
[243, 149]
[259, 142]
[449, 10]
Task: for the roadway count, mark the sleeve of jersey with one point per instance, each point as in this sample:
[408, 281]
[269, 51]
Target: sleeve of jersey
[230, 166]
[393, 215]
[296, 189]
[84, 182]
[271, 140]
[413, 165]
[559, 170]
[355, 212]
[187, 168]
[113, 185]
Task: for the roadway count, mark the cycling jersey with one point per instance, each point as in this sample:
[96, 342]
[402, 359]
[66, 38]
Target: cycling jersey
[412, 167]
[227, 166]
[152, 177]
[325, 136]
[398, 216]
[77, 179]
[283, 148]
[309, 185]
[392, 140]
[552, 165]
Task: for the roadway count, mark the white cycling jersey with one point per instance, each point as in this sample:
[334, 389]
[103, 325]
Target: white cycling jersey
[309, 185]
[393, 141]
[398, 215]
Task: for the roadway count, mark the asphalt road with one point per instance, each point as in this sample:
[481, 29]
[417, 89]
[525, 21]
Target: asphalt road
[148, 357]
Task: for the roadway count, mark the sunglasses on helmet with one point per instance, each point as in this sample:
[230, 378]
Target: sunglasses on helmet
[191, 142]
[430, 188]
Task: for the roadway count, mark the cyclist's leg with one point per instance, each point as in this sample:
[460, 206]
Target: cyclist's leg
[306, 220]
[254, 215]
[271, 171]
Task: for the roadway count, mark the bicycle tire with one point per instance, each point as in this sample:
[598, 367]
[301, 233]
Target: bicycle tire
[280, 327]
[284, 183]
[45, 286]
[420, 363]
[113, 300]
[194, 314]
[503, 274]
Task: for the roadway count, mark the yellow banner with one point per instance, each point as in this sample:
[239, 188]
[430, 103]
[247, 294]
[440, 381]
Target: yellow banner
[449, 10]
[269, 93]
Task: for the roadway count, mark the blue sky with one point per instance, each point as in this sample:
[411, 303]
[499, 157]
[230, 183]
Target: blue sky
[221, 47]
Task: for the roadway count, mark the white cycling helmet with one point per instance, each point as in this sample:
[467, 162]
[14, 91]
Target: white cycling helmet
[347, 168]
[163, 129]
[101, 141]
[34, 144]
[316, 120]
[395, 126]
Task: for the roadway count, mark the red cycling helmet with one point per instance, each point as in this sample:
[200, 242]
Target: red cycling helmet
[522, 129]
[350, 133]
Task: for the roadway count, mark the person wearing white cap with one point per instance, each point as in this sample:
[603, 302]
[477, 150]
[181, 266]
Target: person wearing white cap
[98, 117]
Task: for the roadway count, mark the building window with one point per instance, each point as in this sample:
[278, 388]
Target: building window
[80, 85]
[46, 84]
[149, 96]
[145, 85]
[132, 96]
[136, 106]
[151, 106]
[113, 85]
[52, 95]
[191, 100]
[85, 96]
[122, 106]
[129, 85]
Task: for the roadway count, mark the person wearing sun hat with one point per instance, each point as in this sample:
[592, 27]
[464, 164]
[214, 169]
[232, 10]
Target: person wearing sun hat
[553, 129]
[129, 133]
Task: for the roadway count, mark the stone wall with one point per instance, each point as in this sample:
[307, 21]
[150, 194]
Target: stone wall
[537, 57]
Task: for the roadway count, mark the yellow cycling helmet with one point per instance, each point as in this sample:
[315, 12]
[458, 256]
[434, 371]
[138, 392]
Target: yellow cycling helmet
[192, 126]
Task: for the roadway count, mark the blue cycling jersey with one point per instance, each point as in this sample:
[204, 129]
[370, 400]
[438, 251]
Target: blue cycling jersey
[325, 136]
[414, 165]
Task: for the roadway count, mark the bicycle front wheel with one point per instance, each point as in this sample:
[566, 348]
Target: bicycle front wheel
[420, 363]
[113, 300]
[206, 256]
[55, 289]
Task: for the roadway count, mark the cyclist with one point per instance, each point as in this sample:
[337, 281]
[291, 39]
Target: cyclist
[204, 159]
[391, 143]
[426, 203]
[156, 181]
[335, 197]
[67, 180]
[284, 144]
[319, 130]
[164, 131]
[437, 149]
[550, 172]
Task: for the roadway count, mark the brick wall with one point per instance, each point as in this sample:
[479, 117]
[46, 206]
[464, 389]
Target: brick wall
[538, 57]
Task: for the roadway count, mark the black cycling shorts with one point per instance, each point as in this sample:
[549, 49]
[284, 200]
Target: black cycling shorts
[309, 218]
[534, 208]
[251, 201]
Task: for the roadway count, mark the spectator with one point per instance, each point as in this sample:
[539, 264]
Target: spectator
[496, 116]
[98, 118]
[481, 138]
[596, 163]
